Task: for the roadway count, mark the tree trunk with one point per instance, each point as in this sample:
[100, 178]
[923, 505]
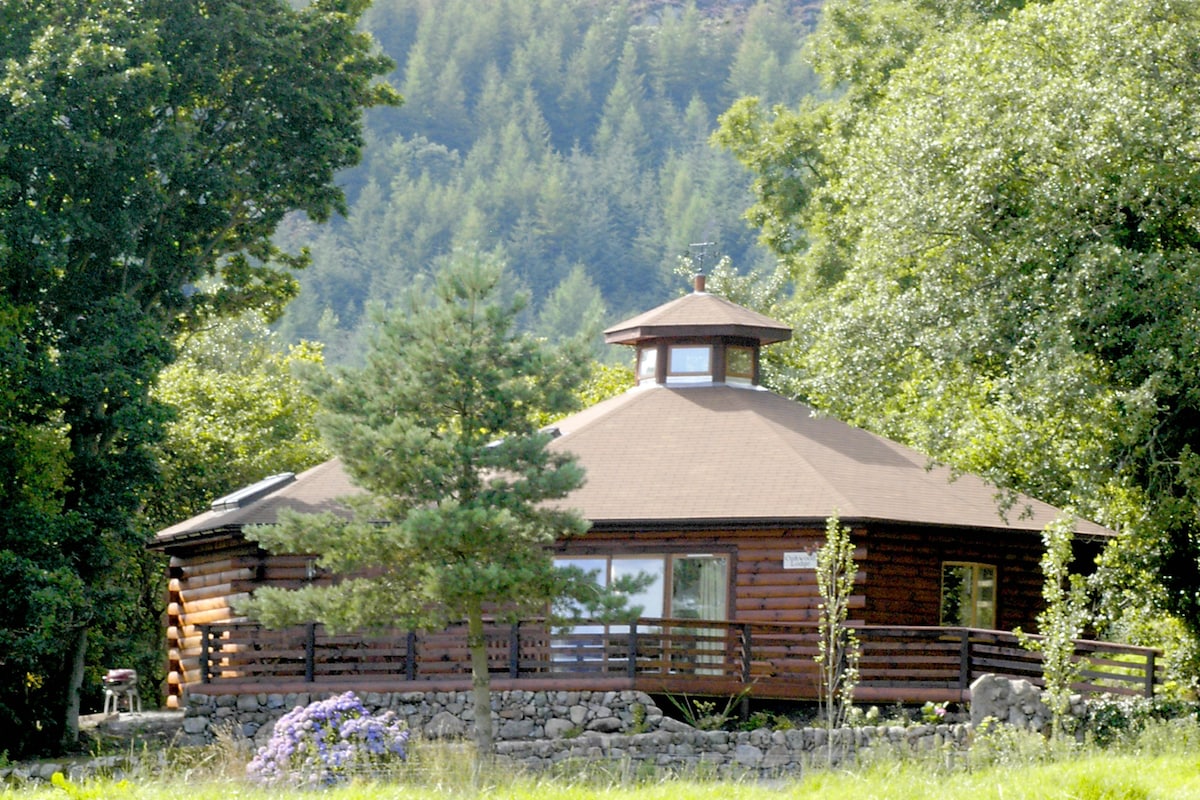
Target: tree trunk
[481, 686]
[74, 684]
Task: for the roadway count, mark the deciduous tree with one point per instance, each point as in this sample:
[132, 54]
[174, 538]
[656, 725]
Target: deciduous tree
[239, 413]
[148, 150]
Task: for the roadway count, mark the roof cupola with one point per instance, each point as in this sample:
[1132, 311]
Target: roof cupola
[698, 339]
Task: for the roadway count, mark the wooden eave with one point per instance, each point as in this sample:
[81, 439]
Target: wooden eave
[643, 333]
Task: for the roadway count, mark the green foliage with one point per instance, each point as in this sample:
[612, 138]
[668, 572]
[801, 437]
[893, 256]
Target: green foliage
[769, 720]
[933, 713]
[149, 151]
[1061, 622]
[706, 714]
[240, 414]
[90, 791]
[991, 232]
[997, 744]
[1160, 763]
[1122, 720]
[439, 426]
[838, 649]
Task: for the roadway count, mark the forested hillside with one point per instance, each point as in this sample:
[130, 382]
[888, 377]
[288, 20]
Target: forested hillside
[569, 135]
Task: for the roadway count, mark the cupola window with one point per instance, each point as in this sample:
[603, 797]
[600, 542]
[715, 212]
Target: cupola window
[647, 363]
[699, 340]
[739, 365]
[690, 363]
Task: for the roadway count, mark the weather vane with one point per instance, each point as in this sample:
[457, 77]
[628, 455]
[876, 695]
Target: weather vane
[698, 252]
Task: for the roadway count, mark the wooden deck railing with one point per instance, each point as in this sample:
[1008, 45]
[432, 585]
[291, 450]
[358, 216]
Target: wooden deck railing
[897, 664]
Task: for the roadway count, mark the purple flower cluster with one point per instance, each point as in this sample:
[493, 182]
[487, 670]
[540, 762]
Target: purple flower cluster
[328, 741]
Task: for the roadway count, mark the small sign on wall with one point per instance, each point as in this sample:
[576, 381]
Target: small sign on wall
[799, 560]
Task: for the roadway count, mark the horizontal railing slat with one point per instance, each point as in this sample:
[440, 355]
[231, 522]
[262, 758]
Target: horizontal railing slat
[781, 657]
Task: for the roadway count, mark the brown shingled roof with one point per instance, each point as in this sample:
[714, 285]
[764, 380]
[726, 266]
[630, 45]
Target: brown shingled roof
[713, 455]
[698, 314]
[314, 490]
[722, 454]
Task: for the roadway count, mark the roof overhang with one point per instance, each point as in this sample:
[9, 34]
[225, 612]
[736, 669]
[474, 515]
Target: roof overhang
[641, 333]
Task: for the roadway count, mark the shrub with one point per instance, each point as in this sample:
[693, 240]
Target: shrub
[933, 713]
[1114, 719]
[329, 741]
[997, 744]
[769, 720]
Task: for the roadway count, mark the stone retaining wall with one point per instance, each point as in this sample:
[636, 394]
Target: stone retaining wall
[542, 730]
[516, 715]
[676, 748]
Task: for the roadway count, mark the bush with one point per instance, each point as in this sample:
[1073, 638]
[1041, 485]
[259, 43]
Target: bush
[329, 741]
[1115, 719]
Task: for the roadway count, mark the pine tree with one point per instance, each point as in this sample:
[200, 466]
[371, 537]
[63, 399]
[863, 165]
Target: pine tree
[439, 428]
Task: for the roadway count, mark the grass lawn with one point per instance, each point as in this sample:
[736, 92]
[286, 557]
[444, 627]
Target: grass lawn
[1098, 776]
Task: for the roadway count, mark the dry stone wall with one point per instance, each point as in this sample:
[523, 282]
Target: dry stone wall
[543, 730]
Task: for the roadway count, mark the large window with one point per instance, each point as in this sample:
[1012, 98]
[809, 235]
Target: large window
[968, 594]
[684, 586]
[691, 586]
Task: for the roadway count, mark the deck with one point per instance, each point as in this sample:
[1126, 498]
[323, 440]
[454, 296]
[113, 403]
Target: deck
[898, 664]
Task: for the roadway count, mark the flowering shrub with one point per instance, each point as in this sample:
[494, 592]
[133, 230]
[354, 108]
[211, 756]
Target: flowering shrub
[327, 742]
[933, 713]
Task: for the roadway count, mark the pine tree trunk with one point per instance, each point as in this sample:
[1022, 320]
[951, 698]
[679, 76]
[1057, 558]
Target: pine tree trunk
[481, 686]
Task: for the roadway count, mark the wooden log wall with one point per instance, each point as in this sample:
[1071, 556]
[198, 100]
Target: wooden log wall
[203, 586]
[899, 581]
[905, 568]
[201, 589]
[767, 592]
[761, 589]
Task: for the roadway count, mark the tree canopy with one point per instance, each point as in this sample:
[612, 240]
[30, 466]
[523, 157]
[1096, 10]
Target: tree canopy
[239, 413]
[994, 235]
[148, 151]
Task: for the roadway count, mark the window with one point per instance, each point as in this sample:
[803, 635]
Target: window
[647, 362]
[692, 586]
[968, 595]
[698, 587]
[739, 364]
[684, 586]
[689, 364]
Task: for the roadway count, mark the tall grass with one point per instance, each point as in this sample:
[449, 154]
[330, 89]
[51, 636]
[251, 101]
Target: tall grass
[1163, 762]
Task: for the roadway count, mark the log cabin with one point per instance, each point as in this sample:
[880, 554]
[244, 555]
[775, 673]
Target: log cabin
[719, 489]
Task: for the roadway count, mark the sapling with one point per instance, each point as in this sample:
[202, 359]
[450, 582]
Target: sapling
[838, 648]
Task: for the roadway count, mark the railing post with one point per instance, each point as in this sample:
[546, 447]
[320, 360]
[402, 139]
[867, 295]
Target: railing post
[514, 650]
[1150, 674]
[310, 652]
[964, 662]
[747, 655]
[205, 644]
[410, 656]
[747, 661]
[631, 666]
